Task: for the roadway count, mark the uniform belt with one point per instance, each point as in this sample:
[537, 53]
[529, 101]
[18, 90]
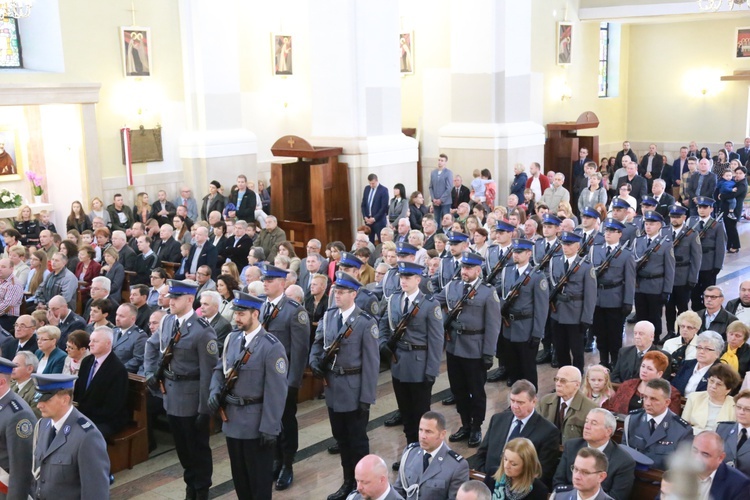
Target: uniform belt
[649, 276]
[569, 298]
[411, 347]
[238, 401]
[173, 376]
[708, 249]
[346, 371]
[682, 264]
[608, 286]
[520, 315]
[470, 332]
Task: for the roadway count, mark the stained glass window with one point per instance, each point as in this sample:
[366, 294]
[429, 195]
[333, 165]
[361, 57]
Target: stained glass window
[10, 43]
[603, 58]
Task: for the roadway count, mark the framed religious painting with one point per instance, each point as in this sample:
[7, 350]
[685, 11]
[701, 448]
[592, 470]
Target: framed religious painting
[11, 164]
[281, 52]
[564, 39]
[742, 43]
[135, 43]
[406, 47]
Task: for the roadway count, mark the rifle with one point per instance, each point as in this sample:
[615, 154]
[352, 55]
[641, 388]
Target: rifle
[166, 358]
[230, 381]
[682, 236]
[561, 284]
[513, 295]
[271, 316]
[453, 313]
[333, 349]
[498, 267]
[548, 256]
[400, 330]
[644, 260]
[608, 261]
[586, 246]
[710, 225]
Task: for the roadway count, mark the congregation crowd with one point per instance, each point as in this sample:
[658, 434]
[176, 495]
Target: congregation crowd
[222, 314]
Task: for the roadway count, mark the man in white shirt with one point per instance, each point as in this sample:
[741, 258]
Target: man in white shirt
[717, 479]
[589, 471]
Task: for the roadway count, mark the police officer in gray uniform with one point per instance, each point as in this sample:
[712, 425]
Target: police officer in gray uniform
[256, 402]
[713, 243]
[186, 383]
[573, 311]
[366, 299]
[525, 314]
[352, 378]
[620, 209]
[450, 267]
[654, 430]
[471, 343]
[390, 283]
[499, 254]
[70, 459]
[590, 235]
[655, 279]
[688, 256]
[16, 427]
[543, 246]
[288, 321]
[616, 290]
[417, 356]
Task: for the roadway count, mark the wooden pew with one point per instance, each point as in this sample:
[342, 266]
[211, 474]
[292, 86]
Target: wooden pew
[170, 268]
[126, 287]
[129, 447]
[647, 484]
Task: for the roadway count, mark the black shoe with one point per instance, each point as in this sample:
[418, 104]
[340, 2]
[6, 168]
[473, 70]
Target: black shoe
[450, 400]
[631, 318]
[396, 466]
[201, 494]
[554, 363]
[343, 492]
[189, 493]
[589, 347]
[286, 476]
[500, 373]
[334, 450]
[276, 469]
[475, 439]
[510, 382]
[460, 435]
[544, 356]
[394, 420]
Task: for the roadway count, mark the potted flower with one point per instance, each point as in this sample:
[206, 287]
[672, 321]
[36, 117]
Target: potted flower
[9, 199]
[36, 185]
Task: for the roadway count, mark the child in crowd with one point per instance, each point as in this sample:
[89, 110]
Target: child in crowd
[183, 270]
[597, 386]
[725, 187]
[477, 187]
[490, 188]
[528, 201]
[44, 222]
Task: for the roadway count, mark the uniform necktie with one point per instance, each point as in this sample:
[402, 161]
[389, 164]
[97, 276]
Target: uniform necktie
[702, 224]
[566, 266]
[425, 461]
[467, 286]
[561, 415]
[743, 438]
[516, 274]
[546, 249]
[267, 312]
[516, 432]
[406, 305]
[339, 322]
[52, 434]
[609, 251]
[674, 235]
[652, 425]
[649, 243]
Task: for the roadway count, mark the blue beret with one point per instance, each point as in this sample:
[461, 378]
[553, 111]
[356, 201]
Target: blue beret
[615, 224]
[454, 237]
[410, 268]
[653, 216]
[520, 244]
[570, 237]
[179, 288]
[551, 219]
[590, 212]
[244, 301]
[6, 365]
[271, 272]
[705, 201]
[677, 210]
[620, 203]
[344, 280]
[403, 248]
[471, 259]
[649, 201]
[505, 226]
[350, 260]
[53, 382]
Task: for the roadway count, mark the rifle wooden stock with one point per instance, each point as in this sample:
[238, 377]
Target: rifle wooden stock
[515, 292]
[401, 330]
[167, 358]
[230, 381]
[332, 350]
[453, 314]
[644, 260]
[607, 262]
[561, 284]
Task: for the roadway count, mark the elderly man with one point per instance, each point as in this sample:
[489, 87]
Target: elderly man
[101, 390]
[473, 490]
[520, 420]
[61, 316]
[127, 255]
[166, 248]
[100, 287]
[26, 363]
[129, 339]
[210, 302]
[371, 474]
[238, 246]
[462, 213]
[567, 407]
[589, 472]
[311, 267]
[25, 337]
[638, 185]
[252, 274]
[270, 238]
[629, 358]
[717, 479]
[714, 316]
[202, 253]
[740, 306]
[459, 193]
[556, 193]
[120, 214]
[187, 200]
[597, 433]
[403, 227]
[701, 184]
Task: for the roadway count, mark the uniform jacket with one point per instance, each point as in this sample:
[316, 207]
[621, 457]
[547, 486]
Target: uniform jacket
[17, 421]
[620, 473]
[575, 415]
[615, 285]
[195, 356]
[720, 323]
[75, 464]
[105, 399]
[540, 250]
[739, 459]
[424, 329]
[360, 351]
[56, 360]
[130, 347]
[445, 273]
[713, 244]
[443, 477]
[628, 366]
[474, 333]
[672, 431]
[657, 276]
[166, 251]
[620, 401]
[291, 327]
[494, 256]
[688, 256]
[696, 411]
[262, 378]
[577, 302]
[528, 313]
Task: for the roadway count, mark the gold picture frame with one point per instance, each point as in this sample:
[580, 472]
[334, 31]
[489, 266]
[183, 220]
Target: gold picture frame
[11, 158]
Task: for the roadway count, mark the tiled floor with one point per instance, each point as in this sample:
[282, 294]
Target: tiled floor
[317, 473]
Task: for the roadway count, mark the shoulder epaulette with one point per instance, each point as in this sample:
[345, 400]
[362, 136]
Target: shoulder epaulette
[562, 488]
[637, 410]
[366, 291]
[271, 338]
[428, 297]
[455, 455]
[203, 322]
[85, 424]
[15, 406]
[412, 445]
[331, 309]
[682, 421]
[488, 285]
[294, 303]
[367, 316]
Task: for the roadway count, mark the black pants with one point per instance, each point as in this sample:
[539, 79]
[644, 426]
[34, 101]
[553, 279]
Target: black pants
[678, 304]
[648, 307]
[467, 378]
[521, 358]
[8, 323]
[154, 408]
[288, 442]
[413, 399]
[568, 340]
[733, 238]
[705, 279]
[350, 432]
[608, 325]
[252, 468]
[547, 339]
[191, 443]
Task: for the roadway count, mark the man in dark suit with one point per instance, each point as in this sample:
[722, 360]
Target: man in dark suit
[429, 227]
[680, 166]
[127, 255]
[714, 316]
[101, 389]
[663, 199]
[244, 200]
[237, 246]
[577, 167]
[202, 253]
[725, 482]
[166, 248]
[701, 183]
[375, 206]
[651, 166]
[626, 151]
[597, 433]
[163, 210]
[637, 183]
[139, 298]
[61, 316]
[744, 152]
[521, 420]
[459, 193]
[731, 153]
[25, 338]
[210, 301]
[629, 358]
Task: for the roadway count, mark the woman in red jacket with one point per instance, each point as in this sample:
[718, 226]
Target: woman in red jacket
[629, 395]
[87, 269]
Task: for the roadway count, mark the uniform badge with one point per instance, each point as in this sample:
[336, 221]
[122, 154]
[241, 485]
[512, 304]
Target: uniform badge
[430, 287]
[280, 366]
[494, 296]
[24, 428]
[374, 308]
[592, 272]
[543, 284]
[438, 312]
[302, 317]
[212, 347]
[374, 331]
[66, 429]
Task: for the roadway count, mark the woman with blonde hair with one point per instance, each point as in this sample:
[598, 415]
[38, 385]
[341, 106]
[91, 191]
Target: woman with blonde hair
[565, 211]
[27, 225]
[37, 273]
[98, 210]
[230, 268]
[518, 475]
[142, 208]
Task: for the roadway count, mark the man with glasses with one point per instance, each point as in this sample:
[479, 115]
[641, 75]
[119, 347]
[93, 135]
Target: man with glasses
[187, 200]
[61, 316]
[714, 316]
[588, 473]
[567, 407]
[25, 337]
[26, 364]
[735, 434]
[205, 283]
[99, 290]
[740, 306]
